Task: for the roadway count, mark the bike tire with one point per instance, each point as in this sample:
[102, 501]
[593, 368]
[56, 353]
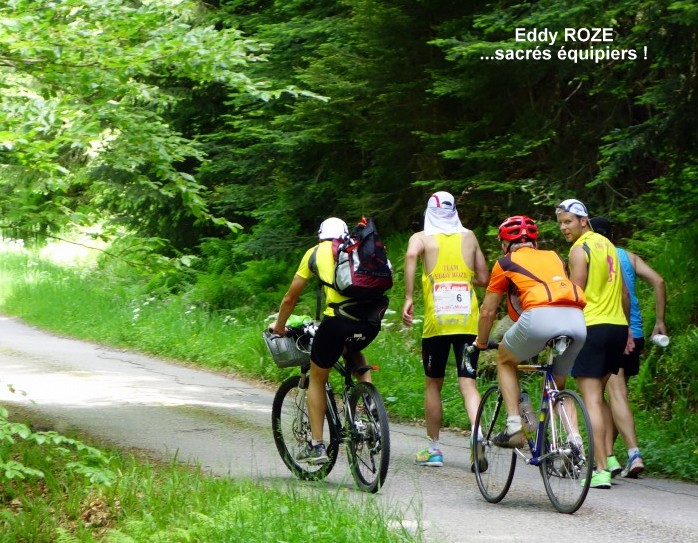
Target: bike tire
[291, 431]
[493, 466]
[368, 444]
[568, 463]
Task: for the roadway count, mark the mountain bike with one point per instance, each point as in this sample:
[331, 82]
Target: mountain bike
[361, 422]
[562, 445]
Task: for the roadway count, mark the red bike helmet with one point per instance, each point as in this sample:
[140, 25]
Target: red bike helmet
[518, 228]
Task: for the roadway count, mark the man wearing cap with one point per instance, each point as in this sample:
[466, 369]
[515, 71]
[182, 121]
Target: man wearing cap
[632, 266]
[335, 337]
[452, 263]
[593, 263]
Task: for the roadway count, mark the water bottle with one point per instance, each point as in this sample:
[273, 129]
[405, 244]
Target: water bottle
[528, 418]
[660, 340]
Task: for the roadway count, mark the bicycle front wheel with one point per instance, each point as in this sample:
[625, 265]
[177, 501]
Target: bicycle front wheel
[494, 466]
[568, 446]
[368, 446]
[291, 430]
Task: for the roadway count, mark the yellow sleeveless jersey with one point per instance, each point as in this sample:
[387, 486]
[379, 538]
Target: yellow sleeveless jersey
[450, 303]
[324, 259]
[604, 288]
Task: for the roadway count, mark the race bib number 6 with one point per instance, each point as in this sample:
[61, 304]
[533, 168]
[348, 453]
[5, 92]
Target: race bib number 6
[451, 298]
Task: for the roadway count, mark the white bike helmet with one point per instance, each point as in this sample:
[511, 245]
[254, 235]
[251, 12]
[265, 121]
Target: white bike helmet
[332, 228]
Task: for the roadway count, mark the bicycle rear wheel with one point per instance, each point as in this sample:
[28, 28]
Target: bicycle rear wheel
[368, 447]
[291, 430]
[494, 466]
[568, 448]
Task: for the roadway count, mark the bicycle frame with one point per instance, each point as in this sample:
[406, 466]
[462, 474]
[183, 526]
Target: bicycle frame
[550, 390]
[333, 413]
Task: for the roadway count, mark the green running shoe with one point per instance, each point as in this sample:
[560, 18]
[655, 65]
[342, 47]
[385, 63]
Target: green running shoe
[613, 466]
[600, 479]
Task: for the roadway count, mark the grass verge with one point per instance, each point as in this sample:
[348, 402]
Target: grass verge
[148, 501]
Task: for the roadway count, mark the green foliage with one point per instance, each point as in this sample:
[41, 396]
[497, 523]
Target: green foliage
[245, 512]
[273, 115]
[668, 382]
[230, 278]
[80, 459]
[555, 127]
[73, 148]
[170, 503]
[678, 456]
[667, 254]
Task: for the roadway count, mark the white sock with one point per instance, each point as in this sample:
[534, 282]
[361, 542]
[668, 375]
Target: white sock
[434, 445]
[513, 424]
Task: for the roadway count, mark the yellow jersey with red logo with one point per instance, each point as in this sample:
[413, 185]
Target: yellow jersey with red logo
[450, 303]
[534, 278]
[604, 288]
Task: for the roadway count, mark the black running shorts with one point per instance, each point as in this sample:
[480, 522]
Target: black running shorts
[602, 351]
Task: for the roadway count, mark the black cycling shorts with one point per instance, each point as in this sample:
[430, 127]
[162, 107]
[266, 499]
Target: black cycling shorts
[435, 351]
[335, 334]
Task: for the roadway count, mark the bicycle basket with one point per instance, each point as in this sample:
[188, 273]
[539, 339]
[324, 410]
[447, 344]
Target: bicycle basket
[286, 350]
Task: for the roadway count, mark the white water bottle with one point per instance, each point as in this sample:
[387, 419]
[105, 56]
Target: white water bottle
[660, 340]
[528, 418]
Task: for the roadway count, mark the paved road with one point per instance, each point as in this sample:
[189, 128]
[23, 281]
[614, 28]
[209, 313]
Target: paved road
[223, 424]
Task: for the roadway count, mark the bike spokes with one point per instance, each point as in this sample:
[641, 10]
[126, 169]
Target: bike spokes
[567, 463]
[368, 445]
[494, 466]
[291, 430]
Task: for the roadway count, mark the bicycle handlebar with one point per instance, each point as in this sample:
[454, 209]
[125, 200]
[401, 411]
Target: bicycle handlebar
[307, 328]
[491, 344]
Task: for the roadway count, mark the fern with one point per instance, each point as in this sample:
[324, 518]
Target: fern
[63, 536]
[116, 536]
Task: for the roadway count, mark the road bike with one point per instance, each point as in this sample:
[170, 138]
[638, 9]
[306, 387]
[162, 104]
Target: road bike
[356, 416]
[561, 446]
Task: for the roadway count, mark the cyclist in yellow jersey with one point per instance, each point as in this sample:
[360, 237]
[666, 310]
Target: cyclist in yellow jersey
[336, 336]
[452, 263]
[593, 263]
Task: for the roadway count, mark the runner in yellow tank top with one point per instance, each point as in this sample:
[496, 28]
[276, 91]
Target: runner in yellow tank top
[450, 303]
[593, 264]
[452, 263]
[604, 283]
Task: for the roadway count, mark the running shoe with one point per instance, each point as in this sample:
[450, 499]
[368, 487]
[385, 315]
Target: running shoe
[313, 455]
[433, 458]
[634, 467]
[613, 465]
[600, 479]
[509, 441]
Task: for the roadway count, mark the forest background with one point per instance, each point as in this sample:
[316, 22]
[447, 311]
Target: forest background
[198, 146]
